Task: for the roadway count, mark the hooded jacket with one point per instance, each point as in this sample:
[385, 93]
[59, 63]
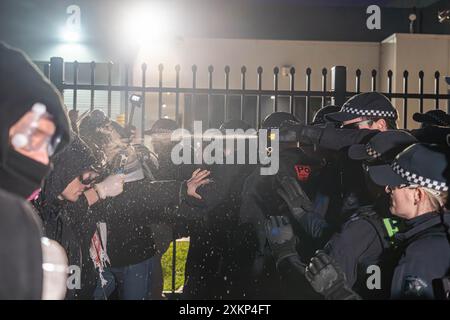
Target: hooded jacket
[22, 85]
[66, 222]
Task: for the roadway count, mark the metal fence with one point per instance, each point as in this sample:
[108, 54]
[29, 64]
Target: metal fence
[338, 92]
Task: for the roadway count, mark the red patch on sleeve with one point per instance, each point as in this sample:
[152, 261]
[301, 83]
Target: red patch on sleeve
[303, 172]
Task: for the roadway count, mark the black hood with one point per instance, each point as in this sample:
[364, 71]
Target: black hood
[74, 160]
[21, 86]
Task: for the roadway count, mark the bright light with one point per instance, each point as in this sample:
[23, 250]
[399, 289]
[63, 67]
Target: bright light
[71, 51]
[164, 105]
[147, 24]
[72, 36]
[272, 97]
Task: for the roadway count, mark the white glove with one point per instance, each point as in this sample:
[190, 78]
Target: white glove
[111, 186]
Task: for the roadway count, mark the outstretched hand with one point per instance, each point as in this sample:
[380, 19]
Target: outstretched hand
[198, 178]
[294, 196]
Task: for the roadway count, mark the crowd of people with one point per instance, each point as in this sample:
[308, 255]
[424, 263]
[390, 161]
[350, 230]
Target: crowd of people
[357, 209]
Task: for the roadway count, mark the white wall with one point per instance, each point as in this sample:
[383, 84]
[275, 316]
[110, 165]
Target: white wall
[254, 53]
[416, 52]
[397, 53]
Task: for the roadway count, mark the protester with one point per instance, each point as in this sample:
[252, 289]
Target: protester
[33, 127]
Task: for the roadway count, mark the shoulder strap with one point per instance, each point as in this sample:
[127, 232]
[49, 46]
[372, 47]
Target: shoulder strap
[383, 232]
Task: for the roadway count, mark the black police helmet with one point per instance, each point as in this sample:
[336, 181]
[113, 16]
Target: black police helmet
[319, 116]
[275, 119]
[234, 124]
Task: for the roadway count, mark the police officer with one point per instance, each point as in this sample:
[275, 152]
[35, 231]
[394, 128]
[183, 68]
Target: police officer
[258, 276]
[360, 117]
[328, 199]
[363, 240]
[417, 184]
[322, 273]
[367, 112]
[33, 127]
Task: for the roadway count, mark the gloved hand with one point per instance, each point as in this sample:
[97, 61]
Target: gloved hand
[306, 134]
[281, 238]
[326, 278]
[111, 186]
[296, 199]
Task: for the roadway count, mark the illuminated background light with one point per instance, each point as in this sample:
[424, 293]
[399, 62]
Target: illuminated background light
[71, 35]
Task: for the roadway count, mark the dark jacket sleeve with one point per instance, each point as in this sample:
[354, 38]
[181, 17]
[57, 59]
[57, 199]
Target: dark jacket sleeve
[346, 247]
[316, 228]
[141, 200]
[75, 213]
[292, 266]
[337, 139]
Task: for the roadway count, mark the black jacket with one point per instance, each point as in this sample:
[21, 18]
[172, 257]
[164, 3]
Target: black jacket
[129, 215]
[72, 225]
[211, 264]
[20, 250]
[259, 278]
[337, 139]
[363, 242]
[424, 256]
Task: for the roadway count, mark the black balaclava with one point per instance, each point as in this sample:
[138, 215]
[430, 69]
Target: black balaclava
[21, 86]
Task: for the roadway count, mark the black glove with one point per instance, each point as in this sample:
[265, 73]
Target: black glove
[326, 278]
[306, 134]
[281, 238]
[296, 199]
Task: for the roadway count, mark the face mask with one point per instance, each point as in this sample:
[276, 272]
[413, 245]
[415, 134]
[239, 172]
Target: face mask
[22, 175]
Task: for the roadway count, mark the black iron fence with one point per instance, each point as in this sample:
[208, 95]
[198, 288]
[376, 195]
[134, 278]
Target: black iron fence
[337, 94]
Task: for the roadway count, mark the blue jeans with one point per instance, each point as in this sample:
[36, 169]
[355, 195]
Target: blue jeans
[133, 282]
